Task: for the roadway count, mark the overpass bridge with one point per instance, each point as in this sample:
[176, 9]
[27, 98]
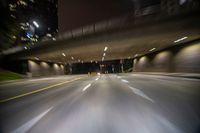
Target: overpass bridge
[149, 30]
[162, 41]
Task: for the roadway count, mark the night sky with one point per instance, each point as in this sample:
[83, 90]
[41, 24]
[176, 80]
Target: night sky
[76, 13]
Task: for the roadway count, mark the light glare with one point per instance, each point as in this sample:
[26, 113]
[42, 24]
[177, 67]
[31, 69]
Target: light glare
[152, 49]
[105, 49]
[181, 39]
[36, 24]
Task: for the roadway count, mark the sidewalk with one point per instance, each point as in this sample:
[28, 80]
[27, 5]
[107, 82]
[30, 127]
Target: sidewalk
[22, 80]
[181, 75]
[12, 81]
[36, 78]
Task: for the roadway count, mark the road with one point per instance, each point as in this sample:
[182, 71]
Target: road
[123, 103]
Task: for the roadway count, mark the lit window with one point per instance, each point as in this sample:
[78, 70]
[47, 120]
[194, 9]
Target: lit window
[12, 7]
[21, 2]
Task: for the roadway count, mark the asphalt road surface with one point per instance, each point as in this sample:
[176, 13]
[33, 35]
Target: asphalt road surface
[124, 103]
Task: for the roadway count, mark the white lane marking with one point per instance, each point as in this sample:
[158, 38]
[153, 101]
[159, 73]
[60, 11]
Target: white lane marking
[85, 88]
[97, 79]
[140, 93]
[27, 126]
[171, 127]
[125, 81]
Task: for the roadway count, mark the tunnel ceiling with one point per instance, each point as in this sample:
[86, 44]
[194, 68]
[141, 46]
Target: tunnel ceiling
[123, 44]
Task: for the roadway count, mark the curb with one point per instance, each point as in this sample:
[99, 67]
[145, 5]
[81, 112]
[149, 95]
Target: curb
[11, 81]
[180, 75]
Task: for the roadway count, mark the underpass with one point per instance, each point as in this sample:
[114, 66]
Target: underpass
[134, 69]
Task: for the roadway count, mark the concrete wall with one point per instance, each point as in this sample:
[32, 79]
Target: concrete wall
[39, 68]
[180, 58]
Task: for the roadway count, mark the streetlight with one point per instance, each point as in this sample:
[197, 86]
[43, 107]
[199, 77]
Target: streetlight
[36, 24]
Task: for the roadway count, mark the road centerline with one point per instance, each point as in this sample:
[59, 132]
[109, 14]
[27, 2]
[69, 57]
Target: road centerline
[38, 90]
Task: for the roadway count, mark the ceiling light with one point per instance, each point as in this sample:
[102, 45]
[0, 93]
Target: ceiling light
[63, 54]
[25, 47]
[72, 57]
[181, 39]
[102, 58]
[79, 60]
[36, 58]
[104, 54]
[135, 55]
[105, 49]
[152, 49]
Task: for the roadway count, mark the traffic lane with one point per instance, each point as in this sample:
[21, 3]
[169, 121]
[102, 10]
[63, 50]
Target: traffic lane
[12, 89]
[176, 98]
[19, 111]
[107, 105]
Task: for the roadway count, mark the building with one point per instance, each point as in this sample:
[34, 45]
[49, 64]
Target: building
[27, 21]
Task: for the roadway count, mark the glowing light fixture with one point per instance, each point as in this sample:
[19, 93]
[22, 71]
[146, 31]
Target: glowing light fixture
[181, 39]
[36, 58]
[36, 24]
[106, 48]
[152, 49]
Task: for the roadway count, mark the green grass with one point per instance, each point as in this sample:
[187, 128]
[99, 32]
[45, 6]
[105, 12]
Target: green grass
[6, 75]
